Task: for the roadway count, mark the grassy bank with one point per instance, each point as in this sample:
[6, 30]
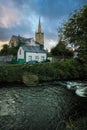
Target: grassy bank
[65, 70]
[79, 124]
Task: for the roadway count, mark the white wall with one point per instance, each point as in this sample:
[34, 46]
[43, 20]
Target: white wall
[34, 55]
[20, 54]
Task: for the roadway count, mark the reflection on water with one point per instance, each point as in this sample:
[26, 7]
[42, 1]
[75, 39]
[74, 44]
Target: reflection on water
[36, 108]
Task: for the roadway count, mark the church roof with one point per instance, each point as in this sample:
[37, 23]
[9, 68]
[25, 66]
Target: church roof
[21, 38]
[34, 49]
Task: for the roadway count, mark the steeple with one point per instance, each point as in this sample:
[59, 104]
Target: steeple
[39, 35]
[39, 26]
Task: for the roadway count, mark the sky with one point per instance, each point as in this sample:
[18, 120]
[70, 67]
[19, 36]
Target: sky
[20, 17]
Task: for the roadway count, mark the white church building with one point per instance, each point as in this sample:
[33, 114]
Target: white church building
[32, 50]
[31, 53]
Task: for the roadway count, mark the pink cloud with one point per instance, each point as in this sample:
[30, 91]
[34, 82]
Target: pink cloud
[8, 17]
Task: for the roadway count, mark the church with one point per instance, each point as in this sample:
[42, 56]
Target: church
[30, 49]
[39, 38]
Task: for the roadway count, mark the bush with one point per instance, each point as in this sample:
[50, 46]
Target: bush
[11, 73]
[64, 70]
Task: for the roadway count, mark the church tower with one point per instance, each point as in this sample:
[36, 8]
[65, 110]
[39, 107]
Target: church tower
[39, 35]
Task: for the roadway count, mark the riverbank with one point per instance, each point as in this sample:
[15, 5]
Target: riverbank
[45, 72]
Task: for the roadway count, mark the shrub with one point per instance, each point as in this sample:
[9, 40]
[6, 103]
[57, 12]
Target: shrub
[63, 70]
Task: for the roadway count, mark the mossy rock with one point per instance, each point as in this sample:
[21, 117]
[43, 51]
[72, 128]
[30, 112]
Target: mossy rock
[30, 79]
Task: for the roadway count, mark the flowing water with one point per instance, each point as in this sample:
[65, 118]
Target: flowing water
[45, 107]
[79, 87]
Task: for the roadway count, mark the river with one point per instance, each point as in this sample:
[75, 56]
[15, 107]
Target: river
[44, 107]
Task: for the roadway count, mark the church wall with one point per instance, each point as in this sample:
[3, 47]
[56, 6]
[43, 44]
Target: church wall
[12, 42]
[39, 38]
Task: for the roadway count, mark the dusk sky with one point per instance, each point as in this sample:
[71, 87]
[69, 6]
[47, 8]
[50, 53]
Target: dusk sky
[20, 17]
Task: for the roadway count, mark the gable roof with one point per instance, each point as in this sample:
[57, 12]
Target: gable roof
[34, 49]
[21, 38]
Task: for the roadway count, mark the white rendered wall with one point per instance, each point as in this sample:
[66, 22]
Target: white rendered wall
[40, 55]
[20, 55]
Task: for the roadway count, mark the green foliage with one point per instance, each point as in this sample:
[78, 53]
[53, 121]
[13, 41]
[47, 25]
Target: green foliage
[61, 50]
[75, 30]
[6, 50]
[65, 70]
[79, 124]
[11, 73]
[49, 54]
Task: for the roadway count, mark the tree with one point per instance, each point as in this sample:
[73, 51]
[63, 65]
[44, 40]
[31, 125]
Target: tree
[75, 30]
[4, 50]
[61, 50]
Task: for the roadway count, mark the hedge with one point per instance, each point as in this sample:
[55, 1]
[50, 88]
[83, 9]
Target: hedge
[64, 70]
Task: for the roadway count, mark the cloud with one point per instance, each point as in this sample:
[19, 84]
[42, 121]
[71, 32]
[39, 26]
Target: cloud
[8, 15]
[21, 17]
[9, 18]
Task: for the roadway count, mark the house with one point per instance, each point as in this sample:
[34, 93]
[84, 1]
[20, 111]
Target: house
[15, 40]
[31, 53]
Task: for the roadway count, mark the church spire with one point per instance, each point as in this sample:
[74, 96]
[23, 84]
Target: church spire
[39, 35]
[39, 26]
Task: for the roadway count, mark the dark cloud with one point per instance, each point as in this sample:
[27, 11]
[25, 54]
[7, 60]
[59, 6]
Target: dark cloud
[3, 34]
[50, 8]
[22, 29]
[21, 16]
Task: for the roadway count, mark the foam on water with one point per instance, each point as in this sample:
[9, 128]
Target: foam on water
[81, 92]
[80, 88]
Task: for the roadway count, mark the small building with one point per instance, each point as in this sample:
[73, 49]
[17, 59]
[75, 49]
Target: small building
[31, 53]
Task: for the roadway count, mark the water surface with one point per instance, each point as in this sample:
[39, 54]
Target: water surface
[45, 107]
